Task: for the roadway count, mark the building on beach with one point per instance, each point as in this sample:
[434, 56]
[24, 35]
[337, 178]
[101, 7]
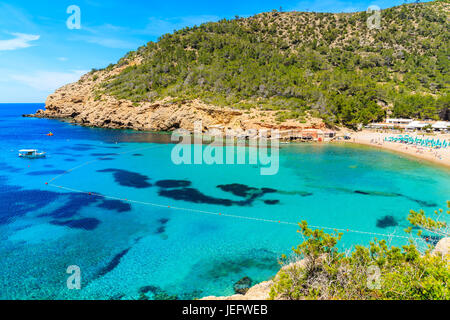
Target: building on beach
[441, 126]
[400, 122]
[412, 125]
[390, 123]
[416, 125]
[380, 125]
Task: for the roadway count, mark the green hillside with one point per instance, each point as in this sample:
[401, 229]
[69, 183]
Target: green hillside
[303, 64]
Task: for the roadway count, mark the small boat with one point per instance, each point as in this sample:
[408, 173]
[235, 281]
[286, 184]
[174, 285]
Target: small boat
[31, 154]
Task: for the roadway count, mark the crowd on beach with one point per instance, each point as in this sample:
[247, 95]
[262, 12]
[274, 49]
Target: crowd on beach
[419, 144]
[431, 147]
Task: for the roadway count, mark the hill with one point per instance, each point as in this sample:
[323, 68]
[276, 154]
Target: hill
[290, 67]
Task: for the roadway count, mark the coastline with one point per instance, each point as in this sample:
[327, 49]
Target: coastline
[440, 157]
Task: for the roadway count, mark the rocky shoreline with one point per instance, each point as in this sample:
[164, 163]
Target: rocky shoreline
[84, 103]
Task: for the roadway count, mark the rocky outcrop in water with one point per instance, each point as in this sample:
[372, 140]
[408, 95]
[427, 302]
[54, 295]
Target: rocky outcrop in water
[243, 285]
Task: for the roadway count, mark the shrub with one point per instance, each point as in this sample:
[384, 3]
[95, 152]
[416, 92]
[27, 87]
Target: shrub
[374, 272]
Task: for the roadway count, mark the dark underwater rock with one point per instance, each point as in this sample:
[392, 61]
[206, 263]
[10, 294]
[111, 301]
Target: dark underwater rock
[386, 222]
[113, 263]
[194, 196]
[160, 230]
[103, 154]
[147, 289]
[157, 293]
[163, 221]
[115, 205]
[243, 285]
[128, 178]
[87, 224]
[268, 190]
[237, 189]
[171, 184]
[272, 202]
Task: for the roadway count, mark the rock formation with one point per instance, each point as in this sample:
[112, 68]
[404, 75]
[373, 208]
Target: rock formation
[81, 103]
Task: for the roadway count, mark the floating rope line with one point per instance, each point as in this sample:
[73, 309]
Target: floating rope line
[220, 214]
[225, 214]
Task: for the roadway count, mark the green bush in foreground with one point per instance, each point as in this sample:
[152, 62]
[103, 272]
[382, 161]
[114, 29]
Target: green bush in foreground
[375, 272]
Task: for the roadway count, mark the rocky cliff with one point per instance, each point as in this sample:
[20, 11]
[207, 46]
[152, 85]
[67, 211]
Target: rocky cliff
[81, 103]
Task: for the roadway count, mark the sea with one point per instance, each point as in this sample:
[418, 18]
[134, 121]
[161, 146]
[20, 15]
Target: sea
[109, 215]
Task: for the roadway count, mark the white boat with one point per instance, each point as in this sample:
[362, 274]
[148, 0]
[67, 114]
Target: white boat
[31, 154]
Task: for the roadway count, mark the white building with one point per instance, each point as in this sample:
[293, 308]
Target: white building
[443, 126]
[376, 125]
[399, 121]
[416, 125]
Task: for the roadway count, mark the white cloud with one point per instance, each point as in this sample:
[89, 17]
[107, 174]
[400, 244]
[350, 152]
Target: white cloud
[63, 59]
[48, 81]
[21, 40]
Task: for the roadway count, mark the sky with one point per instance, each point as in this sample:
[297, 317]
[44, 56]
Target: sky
[40, 51]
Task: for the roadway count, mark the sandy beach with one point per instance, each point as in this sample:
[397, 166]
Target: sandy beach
[375, 139]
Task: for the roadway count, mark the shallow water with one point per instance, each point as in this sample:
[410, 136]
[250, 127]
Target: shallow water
[128, 248]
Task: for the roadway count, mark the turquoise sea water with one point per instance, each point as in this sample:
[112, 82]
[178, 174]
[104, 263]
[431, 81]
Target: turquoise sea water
[125, 248]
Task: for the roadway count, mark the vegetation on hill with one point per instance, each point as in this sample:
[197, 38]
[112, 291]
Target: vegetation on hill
[375, 272]
[303, 64]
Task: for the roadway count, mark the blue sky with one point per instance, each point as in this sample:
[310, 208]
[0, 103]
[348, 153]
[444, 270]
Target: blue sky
[38, 53]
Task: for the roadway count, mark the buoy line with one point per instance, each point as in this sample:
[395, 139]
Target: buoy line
[158, 205]
[220, 214]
